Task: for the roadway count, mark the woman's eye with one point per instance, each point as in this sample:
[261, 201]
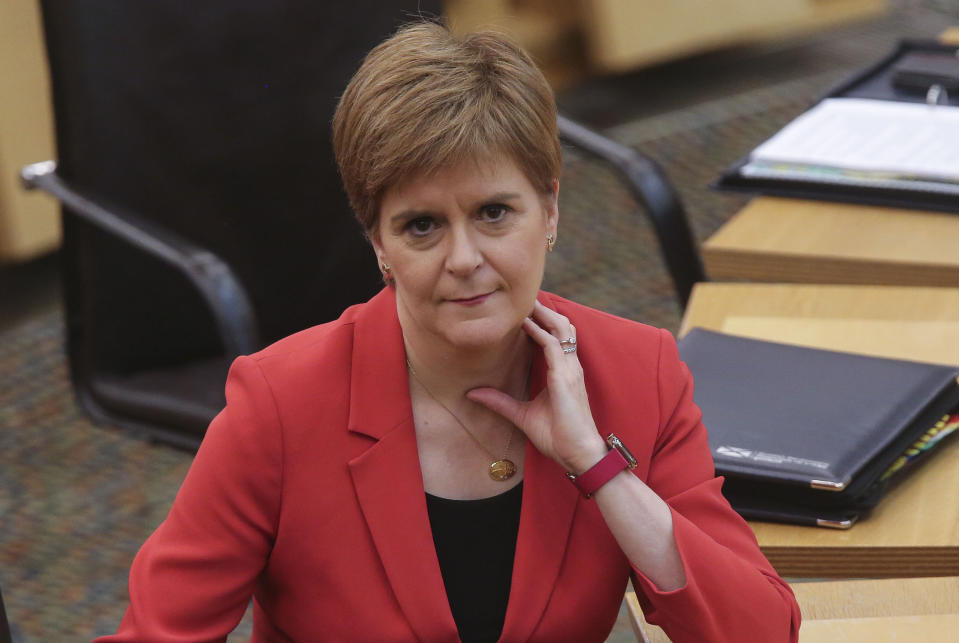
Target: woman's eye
[495, 212]
[421, 226]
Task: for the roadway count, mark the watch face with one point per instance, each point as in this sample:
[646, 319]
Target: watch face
[615, 443]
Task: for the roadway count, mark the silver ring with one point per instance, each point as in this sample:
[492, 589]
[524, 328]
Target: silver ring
[569, 349]
[571, 341]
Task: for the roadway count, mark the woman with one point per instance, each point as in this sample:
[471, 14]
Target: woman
[401, 473]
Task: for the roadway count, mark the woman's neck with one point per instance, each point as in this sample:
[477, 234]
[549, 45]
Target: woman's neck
[449, 372]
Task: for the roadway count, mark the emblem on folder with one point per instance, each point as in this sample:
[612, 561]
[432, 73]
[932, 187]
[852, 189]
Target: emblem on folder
[734, 452]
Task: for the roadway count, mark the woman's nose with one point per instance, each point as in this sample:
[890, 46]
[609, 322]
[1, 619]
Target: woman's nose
[464, 254]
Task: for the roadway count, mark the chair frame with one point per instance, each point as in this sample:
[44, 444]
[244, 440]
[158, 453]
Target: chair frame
[217, 284]
[650, 186]
[210, 275]
[230, 304]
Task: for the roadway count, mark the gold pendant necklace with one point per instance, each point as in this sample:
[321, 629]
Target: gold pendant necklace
[501, 469]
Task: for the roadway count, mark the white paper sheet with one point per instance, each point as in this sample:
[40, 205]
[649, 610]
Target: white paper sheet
[890, 140]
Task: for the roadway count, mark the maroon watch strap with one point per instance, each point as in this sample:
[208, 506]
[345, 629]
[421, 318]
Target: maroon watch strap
[596, 476]
[600, 473]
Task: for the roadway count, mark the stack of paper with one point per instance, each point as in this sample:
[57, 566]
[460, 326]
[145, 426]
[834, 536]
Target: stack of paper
[868, 143]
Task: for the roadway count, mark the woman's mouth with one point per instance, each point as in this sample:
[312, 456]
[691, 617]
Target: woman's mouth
[472, 301]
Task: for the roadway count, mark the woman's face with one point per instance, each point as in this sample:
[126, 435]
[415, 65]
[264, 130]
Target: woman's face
[466, 246]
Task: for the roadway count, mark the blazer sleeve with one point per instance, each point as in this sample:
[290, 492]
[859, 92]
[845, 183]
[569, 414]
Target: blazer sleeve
[732, 593]
[193, 578]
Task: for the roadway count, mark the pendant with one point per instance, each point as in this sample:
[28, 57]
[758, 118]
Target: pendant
[502, 470]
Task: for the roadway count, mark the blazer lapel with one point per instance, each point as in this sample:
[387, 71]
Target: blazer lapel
[387, 477]
[549, 505]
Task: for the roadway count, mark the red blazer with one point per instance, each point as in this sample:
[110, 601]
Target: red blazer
[307, 494]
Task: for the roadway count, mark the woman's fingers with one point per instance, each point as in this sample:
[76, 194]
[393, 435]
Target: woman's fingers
[553, 332]
[557, 325]
[499, 402]
[552, 350]
[539, 334]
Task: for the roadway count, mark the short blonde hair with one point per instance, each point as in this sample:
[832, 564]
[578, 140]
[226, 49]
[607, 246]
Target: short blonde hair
[424, 99]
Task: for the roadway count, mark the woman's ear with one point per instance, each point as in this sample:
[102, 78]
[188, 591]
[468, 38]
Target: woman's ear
[384, 265]
[374, 238]
[551, 206]
[378, 250]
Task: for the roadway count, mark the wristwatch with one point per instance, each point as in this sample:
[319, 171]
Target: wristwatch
[596, 476]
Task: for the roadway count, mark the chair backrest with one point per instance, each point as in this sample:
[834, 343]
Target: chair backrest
[212, 120]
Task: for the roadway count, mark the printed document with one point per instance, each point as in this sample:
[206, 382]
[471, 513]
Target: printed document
[866, 142]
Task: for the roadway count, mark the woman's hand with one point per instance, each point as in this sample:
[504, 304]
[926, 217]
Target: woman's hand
[558, 422]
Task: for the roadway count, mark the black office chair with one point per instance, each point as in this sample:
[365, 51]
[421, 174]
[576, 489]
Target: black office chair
[203, 215]
[202, 211]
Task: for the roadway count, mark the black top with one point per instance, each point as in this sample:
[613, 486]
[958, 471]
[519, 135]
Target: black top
[475, 543]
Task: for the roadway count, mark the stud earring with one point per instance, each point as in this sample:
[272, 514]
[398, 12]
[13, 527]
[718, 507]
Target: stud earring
[550, 241]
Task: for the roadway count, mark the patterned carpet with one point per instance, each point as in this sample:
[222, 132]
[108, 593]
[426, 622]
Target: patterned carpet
[77, 500]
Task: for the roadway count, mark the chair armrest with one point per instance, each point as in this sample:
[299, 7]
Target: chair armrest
[212, 277]
[651, 188]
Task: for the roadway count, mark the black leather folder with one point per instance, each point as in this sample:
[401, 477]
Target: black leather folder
[879, 82]
[804, 435]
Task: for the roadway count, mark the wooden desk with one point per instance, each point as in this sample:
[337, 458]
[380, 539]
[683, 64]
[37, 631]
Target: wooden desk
[570, 38]
[915, 529]
[913, 609]
[29, 223]
[793, 240]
